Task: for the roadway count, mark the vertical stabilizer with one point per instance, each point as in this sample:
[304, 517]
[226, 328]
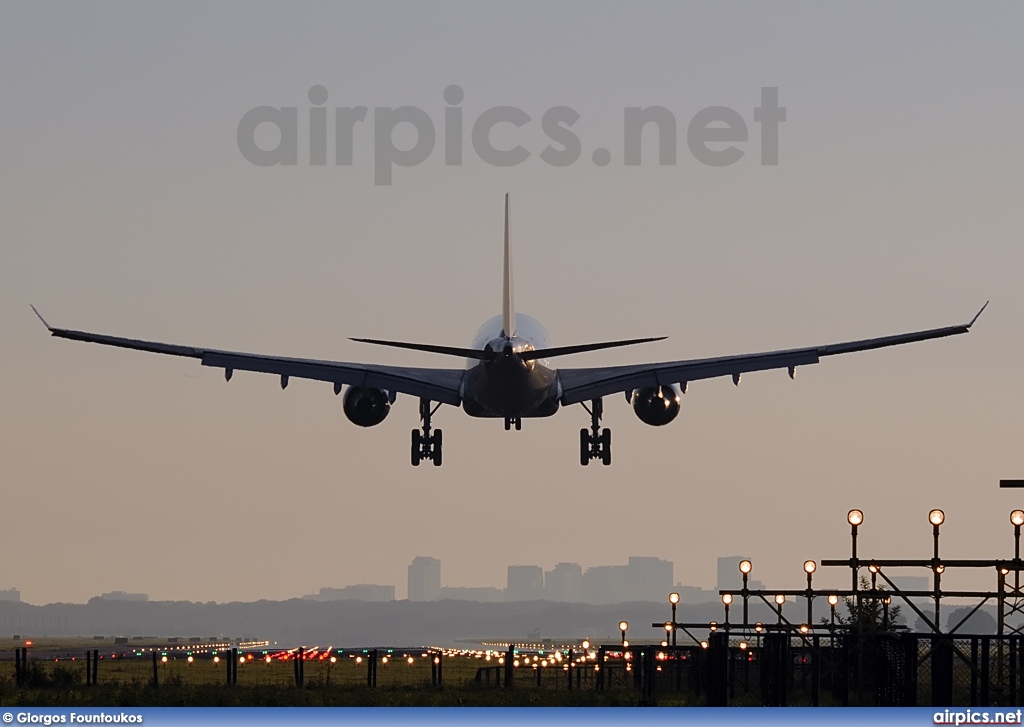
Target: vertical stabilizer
[508, 310]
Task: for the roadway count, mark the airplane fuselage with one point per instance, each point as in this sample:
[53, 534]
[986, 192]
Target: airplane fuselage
[508, 386]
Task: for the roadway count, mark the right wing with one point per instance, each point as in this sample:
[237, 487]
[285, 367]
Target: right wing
[592, 383]
[441, 385]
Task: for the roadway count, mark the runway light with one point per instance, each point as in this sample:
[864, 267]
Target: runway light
[267, 659]
[1017, 517]
[726, 598]
[673, 598]
[743, 645]
[833, 600]
[216, 660]
[410, 661]
[189, 660]
[623, 625]
[936, 517]
[668, 626]
[163, 659]
[745, 566]
[855, 517]
[810, 566]
[780, 599]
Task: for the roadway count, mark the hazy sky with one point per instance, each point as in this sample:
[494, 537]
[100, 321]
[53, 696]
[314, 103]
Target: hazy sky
[128, 208]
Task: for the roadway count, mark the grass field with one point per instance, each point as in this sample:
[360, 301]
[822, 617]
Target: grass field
[57, 677]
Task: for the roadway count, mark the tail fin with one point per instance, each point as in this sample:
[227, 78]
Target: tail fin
[508, 311]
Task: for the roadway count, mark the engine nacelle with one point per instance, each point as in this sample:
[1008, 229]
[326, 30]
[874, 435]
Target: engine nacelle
[656, 405]
[366, 407]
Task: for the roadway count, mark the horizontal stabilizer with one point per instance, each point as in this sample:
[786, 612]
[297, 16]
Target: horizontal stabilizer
[487, 354]
[430, 348]
[583, 348]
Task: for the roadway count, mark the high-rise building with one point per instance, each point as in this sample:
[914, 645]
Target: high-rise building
[564, 583]
[648, 579]
[604, 584]
[642, 579]
[424, 579]
[525, 583]
[729, 576]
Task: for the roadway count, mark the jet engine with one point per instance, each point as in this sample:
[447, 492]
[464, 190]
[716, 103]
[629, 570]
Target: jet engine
[656, 405]
[366, 407]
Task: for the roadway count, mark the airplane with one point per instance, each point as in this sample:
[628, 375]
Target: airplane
[510, 374]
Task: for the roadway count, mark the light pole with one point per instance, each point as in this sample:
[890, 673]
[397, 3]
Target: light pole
[833, 601]
[855, 518]
[936, 517]
[809, 567]
[745, 567]
[1017, 518]
[779, 600]
[623, 625]
[727, 601]
[673, 599]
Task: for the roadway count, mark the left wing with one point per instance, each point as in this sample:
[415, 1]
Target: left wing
[441, 385]
[583, 384]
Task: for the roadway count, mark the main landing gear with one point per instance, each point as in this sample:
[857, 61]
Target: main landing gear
[516, 422]
[596, 443]
[424, 444]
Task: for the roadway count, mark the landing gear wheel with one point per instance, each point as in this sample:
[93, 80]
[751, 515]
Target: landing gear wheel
[417, 445]
[595, 443]
[437, 447]
[426, 445]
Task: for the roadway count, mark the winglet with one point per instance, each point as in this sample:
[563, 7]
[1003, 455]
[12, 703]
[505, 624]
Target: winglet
[508, 311]
[978, 314]
[40, 317]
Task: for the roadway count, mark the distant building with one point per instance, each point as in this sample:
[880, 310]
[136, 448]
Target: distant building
[358, 592]
[123, 596]
[695, 594]
[649, 579]
[10, 594]
[642, 579]
[604, 584]
[481, 595]
[525, 583]
[730, 578]
[564, 583]
[424, 579]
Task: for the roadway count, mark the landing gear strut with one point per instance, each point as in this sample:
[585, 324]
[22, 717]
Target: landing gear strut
[426, 445]
[596, 443]
[517, 422]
